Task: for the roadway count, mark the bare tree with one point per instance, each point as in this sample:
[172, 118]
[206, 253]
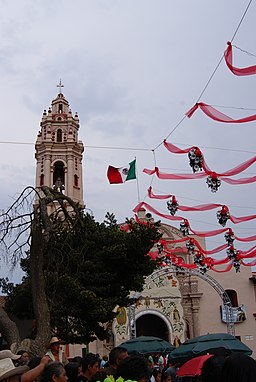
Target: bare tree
[27, 226]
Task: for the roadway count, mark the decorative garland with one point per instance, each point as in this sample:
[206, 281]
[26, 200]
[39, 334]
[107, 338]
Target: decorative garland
[237, 71]
[213, 180]
[216, 115]
[223, 215]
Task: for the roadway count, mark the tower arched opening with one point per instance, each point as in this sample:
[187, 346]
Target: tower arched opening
[59, 176]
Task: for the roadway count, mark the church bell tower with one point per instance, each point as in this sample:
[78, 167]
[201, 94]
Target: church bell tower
[59, 153]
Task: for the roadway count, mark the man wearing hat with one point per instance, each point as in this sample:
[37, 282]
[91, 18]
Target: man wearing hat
[55, 353]
[8, 372]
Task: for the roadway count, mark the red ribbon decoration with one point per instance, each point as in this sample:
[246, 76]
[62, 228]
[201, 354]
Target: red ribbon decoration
[202, 207]
[208, 261]
[169, 217]
[160, 197]
[237, 71]
[205, 252]
[148, 207]
[175, 149]
[246, 239]
[216, 115]
[234, 171]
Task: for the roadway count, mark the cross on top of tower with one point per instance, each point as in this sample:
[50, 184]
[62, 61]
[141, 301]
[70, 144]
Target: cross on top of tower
[60, 86]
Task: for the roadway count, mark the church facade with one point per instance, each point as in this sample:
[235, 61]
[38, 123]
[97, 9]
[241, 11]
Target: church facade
[172, 305]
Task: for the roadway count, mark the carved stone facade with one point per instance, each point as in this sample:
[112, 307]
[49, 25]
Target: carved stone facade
[161, 297]
[173, 297]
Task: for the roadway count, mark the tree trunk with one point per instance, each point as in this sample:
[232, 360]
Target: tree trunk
[40, 303]
[8, 329]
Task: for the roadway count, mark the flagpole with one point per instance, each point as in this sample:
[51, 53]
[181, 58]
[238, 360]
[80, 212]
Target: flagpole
[137, 181]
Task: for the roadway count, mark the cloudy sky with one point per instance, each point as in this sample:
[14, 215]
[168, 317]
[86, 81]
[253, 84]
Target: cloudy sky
[131, 69]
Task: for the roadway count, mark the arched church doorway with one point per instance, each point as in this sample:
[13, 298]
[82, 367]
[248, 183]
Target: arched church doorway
[151, 325]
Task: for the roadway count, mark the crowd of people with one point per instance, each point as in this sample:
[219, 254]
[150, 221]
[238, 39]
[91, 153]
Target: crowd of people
[118, 366]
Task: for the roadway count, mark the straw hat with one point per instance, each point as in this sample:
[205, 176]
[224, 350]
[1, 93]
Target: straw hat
[8, 354]
[7, 369]
[54, 340]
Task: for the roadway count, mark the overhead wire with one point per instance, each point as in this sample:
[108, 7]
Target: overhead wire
[212, 75]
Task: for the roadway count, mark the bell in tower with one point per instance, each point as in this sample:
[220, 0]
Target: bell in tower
[59, 153]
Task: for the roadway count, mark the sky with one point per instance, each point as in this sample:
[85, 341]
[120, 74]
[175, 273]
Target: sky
[131, 69]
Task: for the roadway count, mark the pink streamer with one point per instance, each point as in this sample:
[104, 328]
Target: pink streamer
[246, 239]
[168, 217]
[160, 197]
[216, 115]
[209, 233]
[162, 175]
[237, 71]
[175, 149]
[200, 175]
[235, 182]
[165, 216]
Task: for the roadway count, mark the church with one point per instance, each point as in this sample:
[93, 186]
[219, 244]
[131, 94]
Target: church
[173, 305]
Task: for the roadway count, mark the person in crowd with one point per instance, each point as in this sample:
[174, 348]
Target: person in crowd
[55, 352]
[151, 360]
[171, 369]
[151, 367]
[34, 362]
[116, 356]
[212, 368]
[239, 367]
[9, 354]
[134, 368]
[72, 371]
[99, 359]
[54, 372]
[78, 359]
[160, 361]
[156, 375]
[90, 366]
[24, 358]
[103, 361]
[37, 367]
[166, 377]
[9, 372]
[155, 358]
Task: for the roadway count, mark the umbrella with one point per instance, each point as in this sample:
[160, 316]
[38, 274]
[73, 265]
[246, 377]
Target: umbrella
[193, 367]
[209, 343]
[147, 344]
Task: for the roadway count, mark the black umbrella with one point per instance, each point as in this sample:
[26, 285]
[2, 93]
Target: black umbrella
[210, 343]
[148, 344]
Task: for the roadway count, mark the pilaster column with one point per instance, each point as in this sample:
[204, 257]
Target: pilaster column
[70, 176]
[195, 305]
[195, 318]
[47, 173]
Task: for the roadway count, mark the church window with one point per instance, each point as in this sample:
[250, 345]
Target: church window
[41, 180]
[233, 297]
[59, 135]
[75, 180]
[60, 108]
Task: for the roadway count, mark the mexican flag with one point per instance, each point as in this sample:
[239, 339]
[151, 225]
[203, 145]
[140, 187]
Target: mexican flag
[122, 174]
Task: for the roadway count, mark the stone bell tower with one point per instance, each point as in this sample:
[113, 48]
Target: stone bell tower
[59, 153]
